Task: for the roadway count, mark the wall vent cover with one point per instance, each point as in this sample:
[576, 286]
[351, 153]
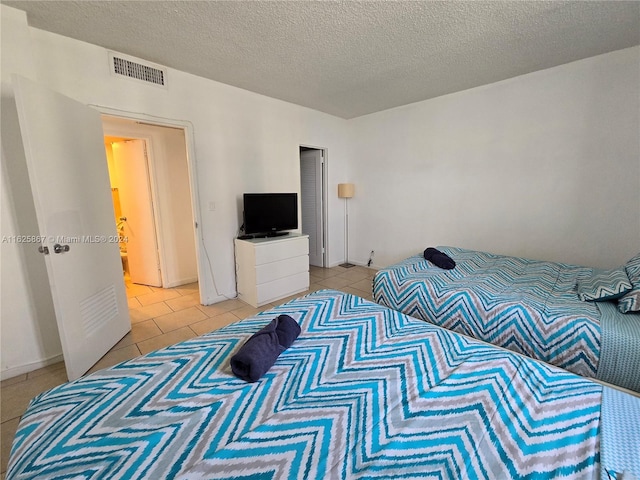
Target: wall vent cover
[133, 69]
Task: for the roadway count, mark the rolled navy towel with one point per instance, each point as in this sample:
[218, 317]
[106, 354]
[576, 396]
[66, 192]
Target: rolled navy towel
[287, 330]
[438, 258]
[261, 350]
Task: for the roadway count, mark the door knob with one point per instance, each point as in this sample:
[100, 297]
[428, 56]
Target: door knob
[57, 248]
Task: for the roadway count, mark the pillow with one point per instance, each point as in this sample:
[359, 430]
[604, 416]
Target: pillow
[630, 302]
[604, 285]
[633, 270]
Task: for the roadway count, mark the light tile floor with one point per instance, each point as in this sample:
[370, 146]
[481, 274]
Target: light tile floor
[160, 317]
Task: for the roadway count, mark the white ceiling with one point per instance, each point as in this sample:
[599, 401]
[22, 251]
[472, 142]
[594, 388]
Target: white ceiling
[348, 58]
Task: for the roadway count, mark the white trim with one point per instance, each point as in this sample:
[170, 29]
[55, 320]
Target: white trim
[187, 127]
[182, 281]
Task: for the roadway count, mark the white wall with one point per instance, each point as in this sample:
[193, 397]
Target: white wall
[545, 165]
[175, 222]
[29, 334]
[241, 142]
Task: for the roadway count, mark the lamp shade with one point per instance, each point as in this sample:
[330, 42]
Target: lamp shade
[346, 190]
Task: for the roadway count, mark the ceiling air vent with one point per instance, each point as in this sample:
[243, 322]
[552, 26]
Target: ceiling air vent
[130, 68]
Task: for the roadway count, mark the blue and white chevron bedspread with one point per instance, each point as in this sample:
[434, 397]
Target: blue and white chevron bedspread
[364, 392]
[528, 306]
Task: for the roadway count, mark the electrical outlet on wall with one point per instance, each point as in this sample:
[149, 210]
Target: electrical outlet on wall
[212, 206]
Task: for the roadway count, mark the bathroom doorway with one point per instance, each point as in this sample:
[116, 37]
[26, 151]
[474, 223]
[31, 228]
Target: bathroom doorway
[151, 193]
[133, 208]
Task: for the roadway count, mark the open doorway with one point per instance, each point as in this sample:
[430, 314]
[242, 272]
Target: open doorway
[150, 187]
[128, 163]
[313, 201]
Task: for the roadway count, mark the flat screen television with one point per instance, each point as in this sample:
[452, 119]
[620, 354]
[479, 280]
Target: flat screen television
[270, 214]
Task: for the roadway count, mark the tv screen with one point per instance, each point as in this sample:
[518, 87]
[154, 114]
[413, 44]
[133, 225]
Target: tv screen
[270, 213]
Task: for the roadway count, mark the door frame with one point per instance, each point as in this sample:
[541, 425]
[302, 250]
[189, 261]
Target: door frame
[323, 195]
[187, 128]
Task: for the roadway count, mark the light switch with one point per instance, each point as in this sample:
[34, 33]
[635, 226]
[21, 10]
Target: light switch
[212, 206]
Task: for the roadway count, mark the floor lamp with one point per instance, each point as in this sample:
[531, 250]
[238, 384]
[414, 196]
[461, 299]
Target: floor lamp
[346, 191]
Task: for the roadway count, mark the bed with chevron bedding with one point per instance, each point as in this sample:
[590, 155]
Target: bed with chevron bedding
[529, 306]
[363, 392]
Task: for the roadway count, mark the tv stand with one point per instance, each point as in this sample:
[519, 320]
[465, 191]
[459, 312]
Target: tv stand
[276, 234]
[271, 267]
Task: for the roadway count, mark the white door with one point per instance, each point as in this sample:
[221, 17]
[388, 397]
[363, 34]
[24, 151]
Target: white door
[311, 163]
[132, 169]
[67, 166]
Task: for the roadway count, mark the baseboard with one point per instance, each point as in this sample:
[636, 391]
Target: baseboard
[179, 283]
[219, 298]
[29, 367]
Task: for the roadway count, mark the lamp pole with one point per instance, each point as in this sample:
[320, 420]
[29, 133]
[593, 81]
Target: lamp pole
[346, 191]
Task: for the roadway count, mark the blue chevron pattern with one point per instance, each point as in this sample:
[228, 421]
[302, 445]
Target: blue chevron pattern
[630, 302]
[527, 306]
[604, 285]
[364, 392]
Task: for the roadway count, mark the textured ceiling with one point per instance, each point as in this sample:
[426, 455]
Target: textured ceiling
[348, 58]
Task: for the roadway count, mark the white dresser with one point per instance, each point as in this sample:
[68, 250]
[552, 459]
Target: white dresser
[268, 269]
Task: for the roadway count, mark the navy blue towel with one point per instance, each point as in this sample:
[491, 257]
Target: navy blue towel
[261, 350]
[438, 258]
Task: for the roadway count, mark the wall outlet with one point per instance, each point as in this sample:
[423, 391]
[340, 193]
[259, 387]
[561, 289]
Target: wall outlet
[212, 206]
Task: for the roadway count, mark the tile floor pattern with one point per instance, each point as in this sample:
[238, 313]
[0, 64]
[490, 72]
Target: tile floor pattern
[160, 317]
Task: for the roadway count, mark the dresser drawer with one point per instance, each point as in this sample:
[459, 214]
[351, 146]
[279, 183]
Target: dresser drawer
[281, 249]
[282, 287]
[283, 268]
